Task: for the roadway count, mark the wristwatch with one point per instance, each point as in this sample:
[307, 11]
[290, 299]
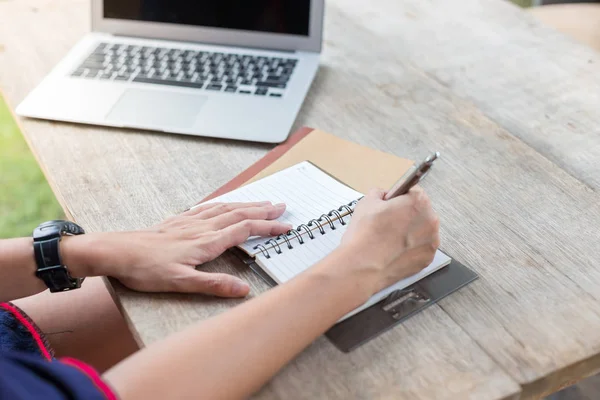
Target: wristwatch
[50, 268]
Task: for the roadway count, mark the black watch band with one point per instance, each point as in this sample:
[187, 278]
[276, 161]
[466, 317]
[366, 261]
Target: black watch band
[50, 268]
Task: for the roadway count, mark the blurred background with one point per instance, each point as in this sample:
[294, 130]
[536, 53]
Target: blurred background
[26, 198]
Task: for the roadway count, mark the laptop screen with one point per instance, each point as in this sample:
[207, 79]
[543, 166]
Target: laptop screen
[276, 16]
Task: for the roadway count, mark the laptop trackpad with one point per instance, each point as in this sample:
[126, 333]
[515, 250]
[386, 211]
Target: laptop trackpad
[156, 109]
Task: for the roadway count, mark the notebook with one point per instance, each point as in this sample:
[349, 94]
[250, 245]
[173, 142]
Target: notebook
[319, 207]
[360, 168]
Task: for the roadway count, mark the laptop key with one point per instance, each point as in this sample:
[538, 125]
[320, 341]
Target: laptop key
[214, 87]
[231, 89]
[96, 55]
[275, 94]
[260, 91]
[194, 85]
[92, 65]
[268, 84]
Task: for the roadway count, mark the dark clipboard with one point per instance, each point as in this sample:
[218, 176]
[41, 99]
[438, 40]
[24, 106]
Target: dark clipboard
[394, 309]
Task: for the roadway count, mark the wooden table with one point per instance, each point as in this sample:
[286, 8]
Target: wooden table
[513, 106]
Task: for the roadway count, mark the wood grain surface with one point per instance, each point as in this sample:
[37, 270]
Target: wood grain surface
[513, 107]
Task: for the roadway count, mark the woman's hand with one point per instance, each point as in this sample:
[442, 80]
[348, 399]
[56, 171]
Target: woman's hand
[386, 241]
[163, 257]
[392, 239]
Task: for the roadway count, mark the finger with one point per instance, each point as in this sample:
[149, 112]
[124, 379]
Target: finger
[376, 193]
[240, 214]
[416, 197]
[198, 208]
[240, 232]
[421, 202]
[227, 207]
[416, 191]
[223, 285]
[205, 207]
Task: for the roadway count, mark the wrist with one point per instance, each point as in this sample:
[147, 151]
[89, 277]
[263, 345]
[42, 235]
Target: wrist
[358, 277]
[84, 255]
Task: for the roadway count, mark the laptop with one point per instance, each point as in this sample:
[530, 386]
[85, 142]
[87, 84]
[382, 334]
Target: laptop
[236, 69]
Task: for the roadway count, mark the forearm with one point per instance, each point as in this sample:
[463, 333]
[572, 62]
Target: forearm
[246, 345]
[17, 269]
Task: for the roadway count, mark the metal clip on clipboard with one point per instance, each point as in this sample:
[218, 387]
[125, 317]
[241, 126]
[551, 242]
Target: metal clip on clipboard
[394, 309]
[402, 302]
[399, 306]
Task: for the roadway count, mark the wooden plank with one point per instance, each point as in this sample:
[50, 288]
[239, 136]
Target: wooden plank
[524, 223]
[527, 225]
[538, 84]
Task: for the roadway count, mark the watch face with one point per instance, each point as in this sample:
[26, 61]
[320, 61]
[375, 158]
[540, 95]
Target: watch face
[48, 230]
[56, 228]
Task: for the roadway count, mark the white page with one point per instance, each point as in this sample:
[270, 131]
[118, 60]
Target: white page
[291, 262]
[307, 191]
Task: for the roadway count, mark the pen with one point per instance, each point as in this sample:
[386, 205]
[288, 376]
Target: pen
[413, 176]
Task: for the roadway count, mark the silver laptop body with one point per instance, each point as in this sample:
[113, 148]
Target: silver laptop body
[220, 68]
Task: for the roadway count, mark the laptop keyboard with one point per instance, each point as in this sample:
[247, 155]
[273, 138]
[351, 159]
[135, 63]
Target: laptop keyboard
[221, 72]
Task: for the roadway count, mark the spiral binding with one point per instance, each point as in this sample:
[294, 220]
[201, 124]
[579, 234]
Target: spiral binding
[296, 233]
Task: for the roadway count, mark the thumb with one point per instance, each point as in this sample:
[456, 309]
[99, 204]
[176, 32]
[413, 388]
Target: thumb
[376, 193]
[216, 284]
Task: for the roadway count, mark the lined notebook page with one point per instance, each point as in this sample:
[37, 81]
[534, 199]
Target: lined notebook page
[307, 191]
[291, 262]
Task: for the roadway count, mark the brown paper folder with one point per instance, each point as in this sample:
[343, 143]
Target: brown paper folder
[359, 167]
[362, 168]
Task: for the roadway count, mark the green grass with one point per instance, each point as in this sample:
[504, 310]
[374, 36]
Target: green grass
[523, 3]
[25, 197]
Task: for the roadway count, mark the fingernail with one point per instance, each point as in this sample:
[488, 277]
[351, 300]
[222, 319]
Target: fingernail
[280, 206]
[240, 288]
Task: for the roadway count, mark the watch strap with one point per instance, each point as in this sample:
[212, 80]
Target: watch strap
[46, 245]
